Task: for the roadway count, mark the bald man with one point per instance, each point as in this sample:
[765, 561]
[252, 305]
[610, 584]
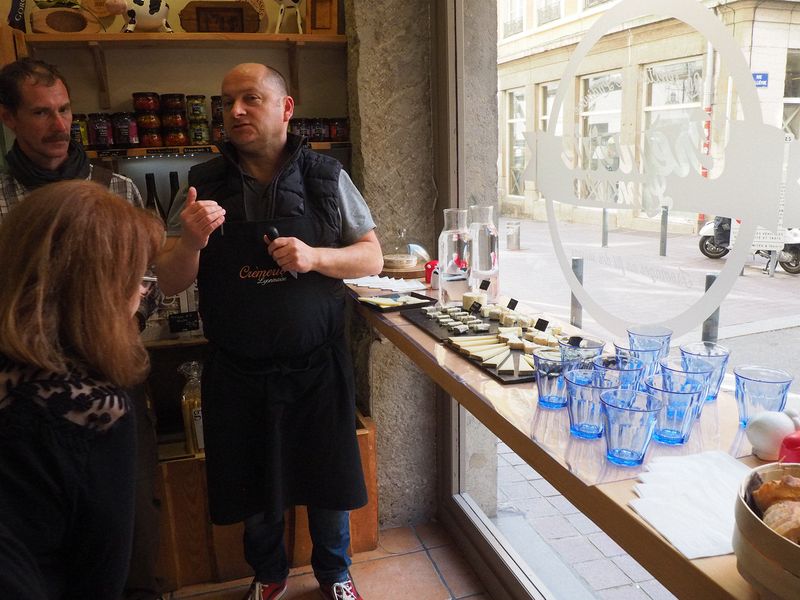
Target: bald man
[269, 230]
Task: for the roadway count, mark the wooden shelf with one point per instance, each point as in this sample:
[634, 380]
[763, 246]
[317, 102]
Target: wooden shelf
[160, 152]
[181, 40]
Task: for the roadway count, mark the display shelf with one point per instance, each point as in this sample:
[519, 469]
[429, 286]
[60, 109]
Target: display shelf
[162, 151]
[98, 43]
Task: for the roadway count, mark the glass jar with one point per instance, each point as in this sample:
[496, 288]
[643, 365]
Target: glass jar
[196, 107]
[319, 130]
[150, 138]
[146, 101]
[216, 109]
[453, 257]
[100, 132]
[339, 130]
[126, 133]
[173, 102]
[304, 127]
[79, 131]
[218, 134]
[484, 252]
[175, 137]
[174, 119]
[148, 120]
[199, 134]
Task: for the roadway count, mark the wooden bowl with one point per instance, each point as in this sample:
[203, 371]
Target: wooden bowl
[767, 560]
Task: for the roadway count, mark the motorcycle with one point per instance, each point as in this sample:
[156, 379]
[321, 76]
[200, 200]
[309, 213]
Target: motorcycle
[712, 246]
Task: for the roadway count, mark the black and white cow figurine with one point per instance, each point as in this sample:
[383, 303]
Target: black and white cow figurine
[147, 15]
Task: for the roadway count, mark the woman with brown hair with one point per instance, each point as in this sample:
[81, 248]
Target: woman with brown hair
[72, 258]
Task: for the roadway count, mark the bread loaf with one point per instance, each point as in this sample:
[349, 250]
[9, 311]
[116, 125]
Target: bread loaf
[779, 501]
[777, 490]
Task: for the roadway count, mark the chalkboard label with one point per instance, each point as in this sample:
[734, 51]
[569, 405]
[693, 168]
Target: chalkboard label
[512, 304]
[485, 284]
[475, 308]
[575, 340]
[188, 321]
[541, 325]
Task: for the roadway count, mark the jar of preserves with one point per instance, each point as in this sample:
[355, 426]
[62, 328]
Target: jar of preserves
[99, 130]
[175, 137]
[340, 132]
[150, 138]
[198, 133]
[173, 102]
[196, 107]
[79, 130]
[146, 101]
[216, 109]
[148, 120]
[319, 130]
[126, 133]
[174, 119]
[218, 134]
[304, 127]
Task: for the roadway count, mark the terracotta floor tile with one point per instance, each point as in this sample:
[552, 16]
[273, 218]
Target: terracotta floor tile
[398, 540]
[455, 570]
[433, 534]
[399, 578]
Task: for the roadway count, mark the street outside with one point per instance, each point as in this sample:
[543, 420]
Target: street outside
[759, 320]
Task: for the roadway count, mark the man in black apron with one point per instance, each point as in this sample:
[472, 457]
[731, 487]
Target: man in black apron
[35, 105]
[275, 231]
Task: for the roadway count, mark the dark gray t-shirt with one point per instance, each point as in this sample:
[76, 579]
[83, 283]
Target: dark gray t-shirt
[356, 218]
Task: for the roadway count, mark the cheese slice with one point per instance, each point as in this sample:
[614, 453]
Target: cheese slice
[474, 339]
[497, 359]
[507, 366]
[525, 366]
[380, 301]
[489, 352]
[514, 330]
[529, 360]
[471, 350]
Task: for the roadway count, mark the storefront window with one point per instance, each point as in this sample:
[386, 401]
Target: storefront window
[516, 142]
[598, 143]
[791, 93]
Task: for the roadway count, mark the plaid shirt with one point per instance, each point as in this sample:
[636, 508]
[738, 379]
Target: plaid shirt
[12, 191]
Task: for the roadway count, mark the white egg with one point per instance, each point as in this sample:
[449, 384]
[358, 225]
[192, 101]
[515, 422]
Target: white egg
[767, 430]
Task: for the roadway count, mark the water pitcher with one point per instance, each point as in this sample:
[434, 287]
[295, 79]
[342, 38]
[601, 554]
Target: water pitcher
[484, 252]
[453, 257]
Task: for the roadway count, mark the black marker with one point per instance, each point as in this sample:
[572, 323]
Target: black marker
[272, 234]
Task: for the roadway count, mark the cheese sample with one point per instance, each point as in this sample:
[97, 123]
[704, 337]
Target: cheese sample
[496, 360]
[507, 366]
[515, 343]
[517, 331]
[489, 352]
[479, 327]
[469, 298]
[525, 366]
[529, 360]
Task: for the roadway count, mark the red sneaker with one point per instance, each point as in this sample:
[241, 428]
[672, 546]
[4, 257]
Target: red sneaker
[268, 591]
[344, 590]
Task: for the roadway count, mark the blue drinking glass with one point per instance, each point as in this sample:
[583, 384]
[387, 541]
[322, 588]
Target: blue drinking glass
[679, 401]
[580, 350]
[649, 352]
[682, 374]
[639, 336]
[583, 401]
[629, 418]
[759, 389]
[550, 369]
[713, 353]
[626, 369]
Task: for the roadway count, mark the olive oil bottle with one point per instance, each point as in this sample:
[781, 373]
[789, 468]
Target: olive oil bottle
[190, 407]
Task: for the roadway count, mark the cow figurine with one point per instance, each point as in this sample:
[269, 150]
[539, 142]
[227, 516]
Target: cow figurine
[284, 4]
[147, 15]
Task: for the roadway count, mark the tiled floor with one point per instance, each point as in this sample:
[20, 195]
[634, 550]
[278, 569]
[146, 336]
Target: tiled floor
[419, 563]
[587, 563]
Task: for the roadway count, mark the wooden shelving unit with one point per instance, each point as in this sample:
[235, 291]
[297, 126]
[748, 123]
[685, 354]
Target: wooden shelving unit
[166, 151]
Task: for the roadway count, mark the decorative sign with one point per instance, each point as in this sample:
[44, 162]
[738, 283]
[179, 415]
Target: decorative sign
[761, 79]
[186, 321]
[672, 171]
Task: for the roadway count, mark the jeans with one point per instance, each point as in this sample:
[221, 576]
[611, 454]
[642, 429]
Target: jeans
[330, 535]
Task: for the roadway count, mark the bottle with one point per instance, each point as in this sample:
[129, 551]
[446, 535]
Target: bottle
[453, 257]
[484, 252]
[191, 408]
[152, 202]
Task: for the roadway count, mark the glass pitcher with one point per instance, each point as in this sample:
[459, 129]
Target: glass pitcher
[453, 257]
[190, 406]
[484, 252]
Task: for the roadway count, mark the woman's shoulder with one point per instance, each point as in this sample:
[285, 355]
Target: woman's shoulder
[78, 395]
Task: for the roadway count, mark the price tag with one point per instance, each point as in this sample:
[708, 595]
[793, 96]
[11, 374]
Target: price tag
[512, 304]
[484, 285]
[541, 325]
[575, 340]
[475, 308]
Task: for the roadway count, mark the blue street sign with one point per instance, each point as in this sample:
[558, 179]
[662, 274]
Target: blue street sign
[761, 79]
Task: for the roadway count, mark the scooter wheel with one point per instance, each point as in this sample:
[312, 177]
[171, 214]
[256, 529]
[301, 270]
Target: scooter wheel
[710, 249]
[792, 266]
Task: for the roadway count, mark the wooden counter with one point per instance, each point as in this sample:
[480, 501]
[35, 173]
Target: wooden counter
[601, 491]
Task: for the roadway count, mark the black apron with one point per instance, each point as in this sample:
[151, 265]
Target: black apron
[277, 390]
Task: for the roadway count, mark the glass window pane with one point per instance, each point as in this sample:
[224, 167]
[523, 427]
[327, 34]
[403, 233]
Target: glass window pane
[680, 83]
[791, 88]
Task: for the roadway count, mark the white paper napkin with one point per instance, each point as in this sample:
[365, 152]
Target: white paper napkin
[388, 283]
[690, 500]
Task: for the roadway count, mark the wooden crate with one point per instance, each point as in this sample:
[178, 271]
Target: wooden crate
[322, 17]
[193, 550]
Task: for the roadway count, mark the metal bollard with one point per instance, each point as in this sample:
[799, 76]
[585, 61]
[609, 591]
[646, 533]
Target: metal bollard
[711, 324]
[575, 309]
[664, 217]
[604, 230]
[512, 235]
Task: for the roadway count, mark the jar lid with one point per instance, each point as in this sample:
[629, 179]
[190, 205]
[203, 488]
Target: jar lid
[172, 96]
[143, 94]
[174, 111]
[98, 115]
[76, 116]
[173, 130]
[150, 130]
[199, 96]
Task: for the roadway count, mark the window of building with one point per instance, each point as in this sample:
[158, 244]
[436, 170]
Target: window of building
[591, 3]
[548, 93]
[514, 18]
[547, 11]
[791, 94]
[600, 112]
[516, 142]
